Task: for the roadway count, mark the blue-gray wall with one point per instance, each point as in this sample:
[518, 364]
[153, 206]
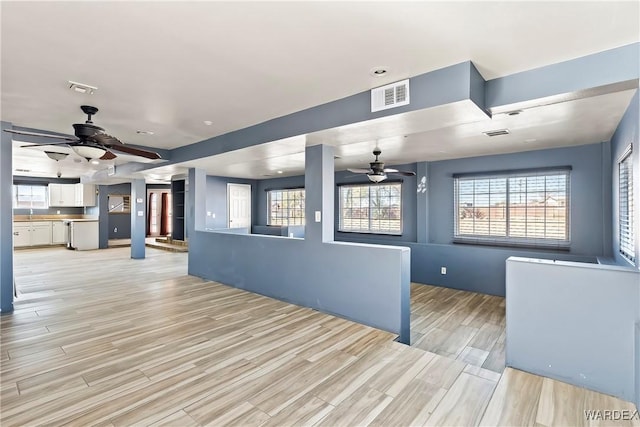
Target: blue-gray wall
[119, 221]
[474, 267]
[588, 185]
[217, 200]
[6, 221]
[574, 322]
[626, 133]
[333, 277]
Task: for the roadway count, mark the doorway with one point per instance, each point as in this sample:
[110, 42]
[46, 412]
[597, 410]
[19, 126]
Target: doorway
[158, 212]
[238, 206]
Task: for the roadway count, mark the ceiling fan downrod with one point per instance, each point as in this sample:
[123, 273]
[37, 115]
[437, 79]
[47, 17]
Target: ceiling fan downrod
[89, 111]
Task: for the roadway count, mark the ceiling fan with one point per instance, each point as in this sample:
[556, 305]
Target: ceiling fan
[377, 172]
[91, 141]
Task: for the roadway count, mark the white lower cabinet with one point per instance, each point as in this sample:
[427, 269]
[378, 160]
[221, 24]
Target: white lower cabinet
[21, 234]
[58, 232]
[35, 233]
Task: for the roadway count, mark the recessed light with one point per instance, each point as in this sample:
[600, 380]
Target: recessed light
[530, 140]
[144, 132]
[81, 87]
[379, 71]
[95, 162]
[279, 172]
[208, 122]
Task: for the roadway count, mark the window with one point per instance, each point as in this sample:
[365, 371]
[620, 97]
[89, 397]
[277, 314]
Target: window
[30, 196]
[627, 243]
[371, 208]
[529, 208]
[286, 207]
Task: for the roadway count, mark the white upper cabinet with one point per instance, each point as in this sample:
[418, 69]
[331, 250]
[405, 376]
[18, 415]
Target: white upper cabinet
[62, 195]
[85, 195]
[76, 195]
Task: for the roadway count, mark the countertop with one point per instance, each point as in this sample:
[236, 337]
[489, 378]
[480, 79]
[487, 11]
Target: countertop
[30, 218]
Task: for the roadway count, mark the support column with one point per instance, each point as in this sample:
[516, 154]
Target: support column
[422, 202]
[319, 184]
[6, 220]
[103, 216]
[195, 200]
[138, 218]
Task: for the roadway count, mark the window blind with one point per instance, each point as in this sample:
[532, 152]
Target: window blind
[522, 208]
[625, 221]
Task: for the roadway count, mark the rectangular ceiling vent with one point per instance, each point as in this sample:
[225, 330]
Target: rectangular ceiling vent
[390, 96]
[497, 132]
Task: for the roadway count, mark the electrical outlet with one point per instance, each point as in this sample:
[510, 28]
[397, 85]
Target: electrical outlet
[58, 212]
[443, 270]
[115, 229]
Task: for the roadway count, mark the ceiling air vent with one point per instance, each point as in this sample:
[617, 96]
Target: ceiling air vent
[390, 96]
[497, 132]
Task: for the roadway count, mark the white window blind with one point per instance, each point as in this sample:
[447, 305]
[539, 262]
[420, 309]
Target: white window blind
[371, 208]
[286, 207]
[626, 226]
[527, 208]
[30, 196]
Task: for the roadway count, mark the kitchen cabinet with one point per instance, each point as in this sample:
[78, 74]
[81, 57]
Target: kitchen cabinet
[34, 233]
[58, 232]
[61, 195]
[21, 234]
[85, 194]
[75, 195]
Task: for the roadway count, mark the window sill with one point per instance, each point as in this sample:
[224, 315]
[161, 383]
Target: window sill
[543, 246]
[370, 233]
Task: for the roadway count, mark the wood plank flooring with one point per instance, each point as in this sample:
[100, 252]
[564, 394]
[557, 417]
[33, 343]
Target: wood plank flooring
[99, 339]
[466, 326]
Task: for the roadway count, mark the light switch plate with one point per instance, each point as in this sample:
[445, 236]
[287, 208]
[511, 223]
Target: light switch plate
[318, 216]
[139, 200]
[140, 213]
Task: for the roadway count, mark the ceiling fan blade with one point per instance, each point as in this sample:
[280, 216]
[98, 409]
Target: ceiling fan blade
[42, 135]
[356, 170]
[44, 145]
[397, 172]
[104, 139]
[134, 151]
[108, 155]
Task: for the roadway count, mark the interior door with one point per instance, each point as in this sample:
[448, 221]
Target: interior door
[238, 206]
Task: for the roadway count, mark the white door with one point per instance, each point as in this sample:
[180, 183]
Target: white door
[239, 205]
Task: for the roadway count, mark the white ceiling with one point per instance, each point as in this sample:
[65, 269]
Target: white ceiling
[168, 66]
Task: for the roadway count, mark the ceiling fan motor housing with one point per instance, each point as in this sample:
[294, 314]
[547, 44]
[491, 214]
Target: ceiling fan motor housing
[85, 130]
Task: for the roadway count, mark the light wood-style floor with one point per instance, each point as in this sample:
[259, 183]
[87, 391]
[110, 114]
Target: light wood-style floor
[466, 326]
[98, 338]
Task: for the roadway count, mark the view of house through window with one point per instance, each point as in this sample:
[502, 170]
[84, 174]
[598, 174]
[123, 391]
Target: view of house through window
[528, 207]
[286, 207]
[30, 196]
[627, 239]
[371, 208]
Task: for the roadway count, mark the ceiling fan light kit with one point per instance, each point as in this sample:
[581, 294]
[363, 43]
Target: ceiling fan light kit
[56, 156]
[88, 151]
[377, 178]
